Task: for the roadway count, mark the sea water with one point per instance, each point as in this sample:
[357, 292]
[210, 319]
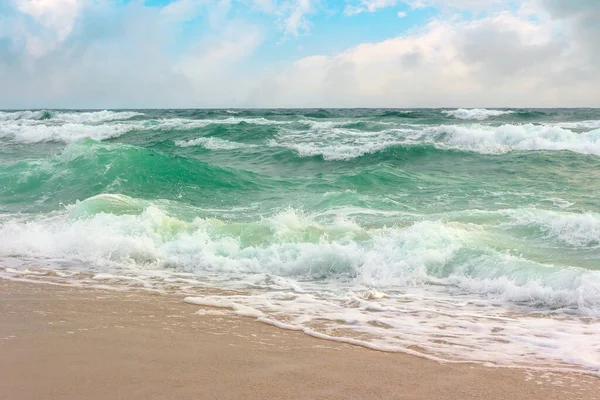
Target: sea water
[454, 234]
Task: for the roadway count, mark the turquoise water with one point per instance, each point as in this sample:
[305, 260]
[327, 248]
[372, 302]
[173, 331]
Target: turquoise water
[493, 211]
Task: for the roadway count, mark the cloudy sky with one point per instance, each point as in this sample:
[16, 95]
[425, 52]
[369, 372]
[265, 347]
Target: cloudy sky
[299, 53]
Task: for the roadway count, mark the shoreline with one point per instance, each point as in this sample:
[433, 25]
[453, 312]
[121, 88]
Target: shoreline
[61, 342]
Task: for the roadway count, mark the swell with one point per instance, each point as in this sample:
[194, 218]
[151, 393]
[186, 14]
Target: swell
[87, 167]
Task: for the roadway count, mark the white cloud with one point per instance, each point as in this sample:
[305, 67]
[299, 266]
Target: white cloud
[58, 15]
[500, 60]
[457, 4]
[295, 21]
[372, 6]
[124, 56]
[369, 6]
[46, 22]
[401, 14]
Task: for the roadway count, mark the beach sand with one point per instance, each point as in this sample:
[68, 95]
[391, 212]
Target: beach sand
[59, 342]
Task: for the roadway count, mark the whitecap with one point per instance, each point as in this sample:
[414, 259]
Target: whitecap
[213, 143]
[478, 114]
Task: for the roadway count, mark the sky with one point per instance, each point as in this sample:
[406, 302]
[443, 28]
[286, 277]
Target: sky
[299, 53]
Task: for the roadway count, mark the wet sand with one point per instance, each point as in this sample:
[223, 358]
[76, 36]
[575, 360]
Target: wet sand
[60, 342]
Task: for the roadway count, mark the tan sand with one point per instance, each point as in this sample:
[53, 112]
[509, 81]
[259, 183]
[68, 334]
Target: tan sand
[69, 343]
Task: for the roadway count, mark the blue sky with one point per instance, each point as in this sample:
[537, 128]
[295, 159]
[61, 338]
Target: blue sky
[299, 53]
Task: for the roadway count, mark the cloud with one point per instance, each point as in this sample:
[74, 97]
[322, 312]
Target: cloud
[372, 6]
[401, 14]
[581, 22]
[58, 15]
[296, 22]
[500, 60]
[46, 22]
[470, 5]
[206, 53]
[369, 6]
[128, 56]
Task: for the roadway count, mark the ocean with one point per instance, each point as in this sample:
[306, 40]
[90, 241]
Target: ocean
[464, 235]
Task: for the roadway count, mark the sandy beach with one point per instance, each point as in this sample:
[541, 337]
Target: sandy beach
[62, 342]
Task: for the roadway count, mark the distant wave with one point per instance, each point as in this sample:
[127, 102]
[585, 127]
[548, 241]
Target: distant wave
[101, 126]
[478, 114]
[482, 139]
[528, 137]
[330, 138]
[74, 117]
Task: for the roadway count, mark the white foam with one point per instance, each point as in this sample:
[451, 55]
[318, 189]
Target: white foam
[338, 143]
[293, 245]
[478, 114]
[27, 127]
[69, 132]
[344, 144]
[335, 152]
[95, 116]
[498, 140]
[183, 123]
[238, 309]
[443, 330]
[213, 143]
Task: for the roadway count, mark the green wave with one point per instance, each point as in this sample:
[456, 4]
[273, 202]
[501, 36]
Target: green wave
[86, 168]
